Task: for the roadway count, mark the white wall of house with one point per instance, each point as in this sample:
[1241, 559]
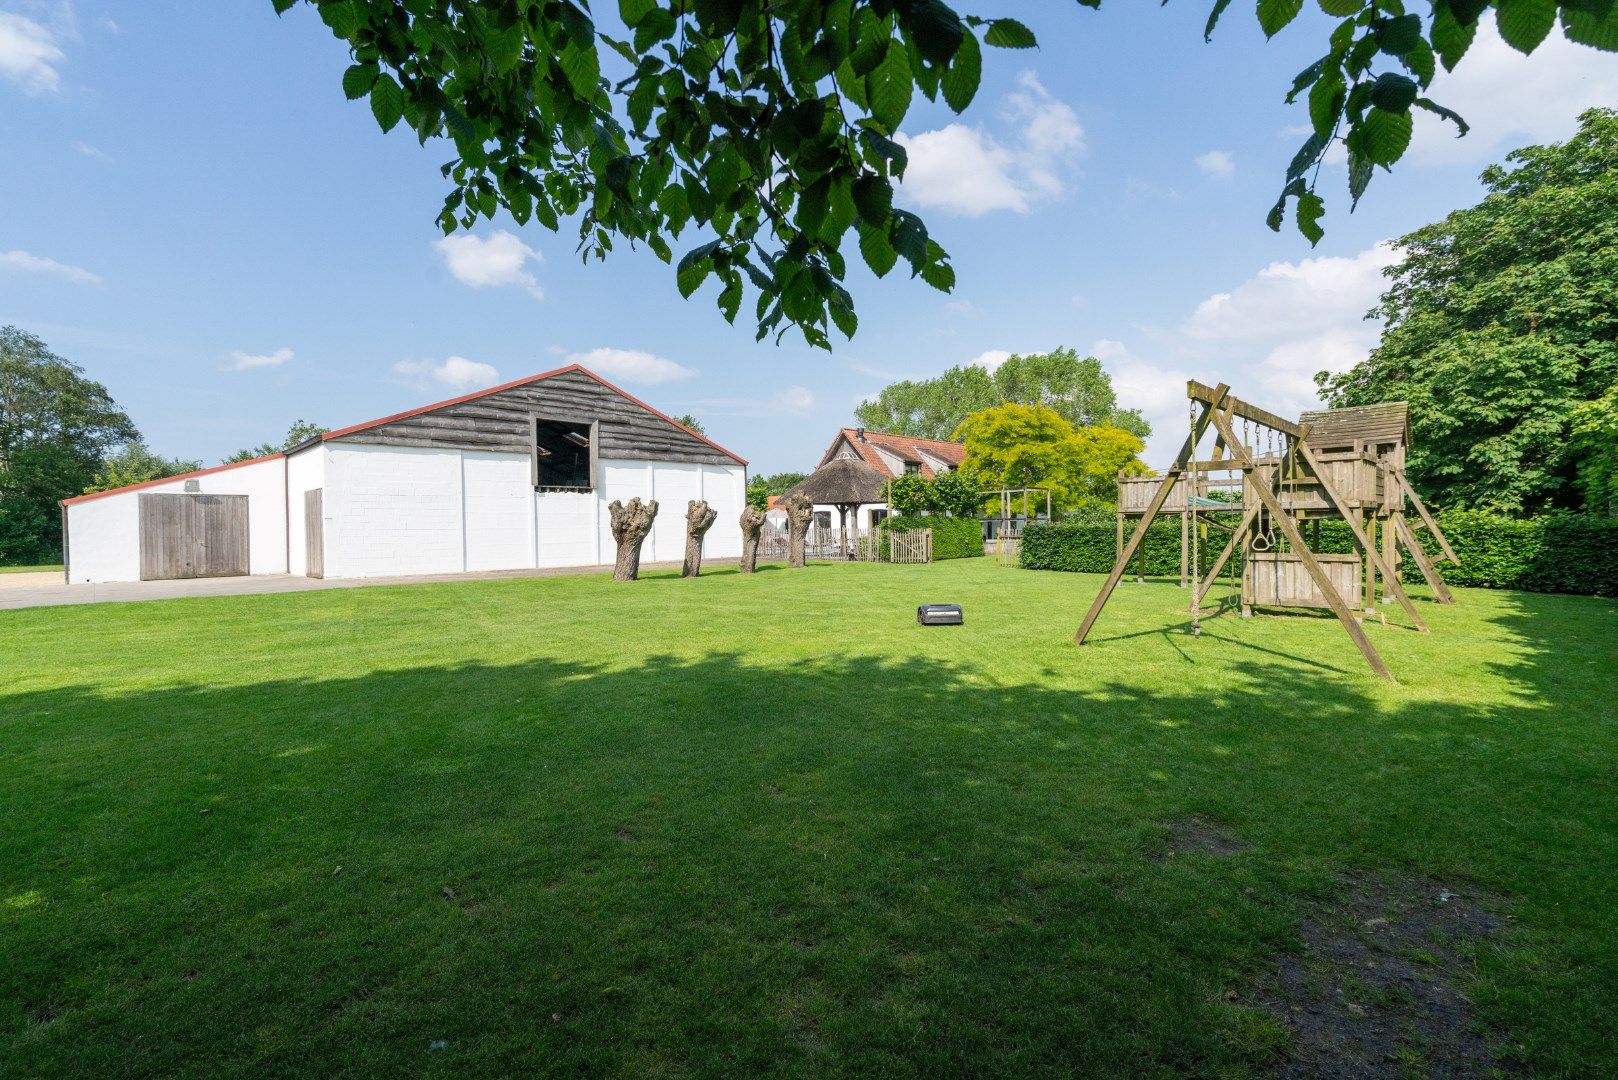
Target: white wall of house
[306, 471]
[859, 517]
[393, 510]
[104, 532]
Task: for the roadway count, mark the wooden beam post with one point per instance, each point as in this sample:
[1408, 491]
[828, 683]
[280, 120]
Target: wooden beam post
[1159, 497]
[1429, 572]
[1338, 605]
[1236, 537]
[1352, 517]
[1426, 518]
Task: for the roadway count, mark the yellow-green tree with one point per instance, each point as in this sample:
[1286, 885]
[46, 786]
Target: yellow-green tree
[1019, 446]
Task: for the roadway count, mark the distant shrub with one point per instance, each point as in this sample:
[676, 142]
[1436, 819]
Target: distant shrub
[953, 537]
[1572, 553]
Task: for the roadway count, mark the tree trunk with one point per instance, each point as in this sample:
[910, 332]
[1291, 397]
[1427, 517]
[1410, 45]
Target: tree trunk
[630, 524]
[752, 526]
[800, 512]
[698, 520]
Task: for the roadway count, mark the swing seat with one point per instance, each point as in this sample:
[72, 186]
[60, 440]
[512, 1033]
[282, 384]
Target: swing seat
[1279, 579]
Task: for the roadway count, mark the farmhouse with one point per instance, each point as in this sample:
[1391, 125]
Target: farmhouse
[517, 476]
[888, 456]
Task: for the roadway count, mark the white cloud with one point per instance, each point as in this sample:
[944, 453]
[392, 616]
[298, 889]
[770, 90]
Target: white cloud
[1217, 164]
[968, 171]
[990, 358]
[789, 401]
[1266, 336]
[22, 262]
[456, 371]
[490, 261]
[29, 54]
[92, 152]
[1511, 99]
[241, 361]
[632, 365]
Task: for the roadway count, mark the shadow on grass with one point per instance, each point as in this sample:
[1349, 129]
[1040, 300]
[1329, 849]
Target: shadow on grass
[712, 865]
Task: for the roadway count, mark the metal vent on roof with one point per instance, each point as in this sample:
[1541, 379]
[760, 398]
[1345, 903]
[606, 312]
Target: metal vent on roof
[193, 487]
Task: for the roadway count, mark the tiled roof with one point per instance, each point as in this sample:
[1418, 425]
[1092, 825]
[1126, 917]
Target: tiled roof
[906, 448]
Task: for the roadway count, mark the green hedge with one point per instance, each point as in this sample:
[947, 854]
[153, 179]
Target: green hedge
[1567, 554]
[953, 537]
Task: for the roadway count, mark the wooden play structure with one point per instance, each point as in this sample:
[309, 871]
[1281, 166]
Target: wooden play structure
[1283, 478]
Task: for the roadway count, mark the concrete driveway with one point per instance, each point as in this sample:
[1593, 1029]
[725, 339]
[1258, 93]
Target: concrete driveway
[48, 590]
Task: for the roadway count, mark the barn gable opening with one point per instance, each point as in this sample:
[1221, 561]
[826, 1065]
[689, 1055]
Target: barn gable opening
[564, 455]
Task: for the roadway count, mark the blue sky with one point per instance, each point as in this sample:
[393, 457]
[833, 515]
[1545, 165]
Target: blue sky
[195, 214]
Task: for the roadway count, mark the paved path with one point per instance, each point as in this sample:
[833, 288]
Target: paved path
[48, 590]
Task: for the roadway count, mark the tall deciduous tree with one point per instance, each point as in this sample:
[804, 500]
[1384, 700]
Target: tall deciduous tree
[1077, 388]
[1502, 322]
[301, 431]
[770, 130]
[1032, 446]
[56, 426]
[134, 463]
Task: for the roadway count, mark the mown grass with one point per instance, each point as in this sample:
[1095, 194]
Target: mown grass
[40, 569]
[768, 825]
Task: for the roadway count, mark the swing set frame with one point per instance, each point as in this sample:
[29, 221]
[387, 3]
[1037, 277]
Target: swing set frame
[1272, 481]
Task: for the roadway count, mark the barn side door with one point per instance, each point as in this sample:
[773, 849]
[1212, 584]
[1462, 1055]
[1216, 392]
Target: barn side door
[314, 532]
[191, 536]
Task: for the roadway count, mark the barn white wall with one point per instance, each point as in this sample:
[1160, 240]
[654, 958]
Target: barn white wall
[104, 533]
[394, 510]
[306, 470]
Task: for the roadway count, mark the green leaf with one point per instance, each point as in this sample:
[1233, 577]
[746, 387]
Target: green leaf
[1011, 34]
[633, 11]
[873, 197]
[1310, 207]
[1273, 15]
[1360, 170]
[1278, 212]
[1307, 155]
[694, 268]
[358, 79]
[844, 317]
[938, 272]
[1326, 102]
[936, 28]
[1341, 9]
[1398, 36]
[1213, 19]
[1396, 93]
[504, 46]
[1451, 37]
[910, 239]
[1594, 28]
[582, 68]
[1307, 77]
[387, 101]
[965, 72]
[875, 249]
[889, 88]
[1444, 114]
[1525, 23]
[1384, 136]
[341, 17]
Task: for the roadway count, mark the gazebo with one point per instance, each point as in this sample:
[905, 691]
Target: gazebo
[843, 483]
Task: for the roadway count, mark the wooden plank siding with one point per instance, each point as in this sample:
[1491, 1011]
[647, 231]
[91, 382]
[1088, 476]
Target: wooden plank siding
[192, 536]
[503, 421]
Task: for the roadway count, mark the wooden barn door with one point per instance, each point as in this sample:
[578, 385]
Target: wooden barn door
[192, 536]
[314, 533]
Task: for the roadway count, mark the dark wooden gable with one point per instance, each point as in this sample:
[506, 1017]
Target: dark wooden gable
[502, 420]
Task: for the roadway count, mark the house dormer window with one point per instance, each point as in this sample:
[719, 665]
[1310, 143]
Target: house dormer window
[912, 468]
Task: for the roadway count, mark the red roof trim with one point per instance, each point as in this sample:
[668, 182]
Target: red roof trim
[170, 479]
[580, 368]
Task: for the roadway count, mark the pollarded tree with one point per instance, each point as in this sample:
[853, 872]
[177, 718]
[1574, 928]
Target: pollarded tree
[1502, 322]
[771, 129]
[699, 518]
[752, 524]
[631, 522]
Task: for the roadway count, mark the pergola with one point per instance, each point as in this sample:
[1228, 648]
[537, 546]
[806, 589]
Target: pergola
[844, 483]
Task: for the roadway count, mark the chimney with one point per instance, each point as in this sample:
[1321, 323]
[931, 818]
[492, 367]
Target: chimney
[861, 433]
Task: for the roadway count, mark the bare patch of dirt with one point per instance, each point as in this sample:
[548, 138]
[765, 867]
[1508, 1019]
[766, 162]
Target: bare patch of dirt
[1198, 836]
[1379, 988]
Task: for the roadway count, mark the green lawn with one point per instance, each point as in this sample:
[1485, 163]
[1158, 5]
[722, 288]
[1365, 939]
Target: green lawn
[741, 825]
[41, 569]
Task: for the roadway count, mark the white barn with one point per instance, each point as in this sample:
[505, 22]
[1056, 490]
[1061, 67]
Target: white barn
[514, 477]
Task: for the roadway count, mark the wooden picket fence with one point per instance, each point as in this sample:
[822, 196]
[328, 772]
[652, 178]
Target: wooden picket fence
[910, 546]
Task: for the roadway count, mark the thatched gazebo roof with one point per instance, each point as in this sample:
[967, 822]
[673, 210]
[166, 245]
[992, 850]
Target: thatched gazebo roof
[844, 482]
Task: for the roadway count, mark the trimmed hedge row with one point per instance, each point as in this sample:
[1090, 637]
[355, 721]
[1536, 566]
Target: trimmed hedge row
[1573, 553]
[953, 537]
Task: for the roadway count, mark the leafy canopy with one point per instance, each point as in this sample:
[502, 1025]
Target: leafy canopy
[1077, 389]
[1502, 333]
[135, 463]
[55, 428]
[769, 130]
[301, 431]
[1033, 446]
